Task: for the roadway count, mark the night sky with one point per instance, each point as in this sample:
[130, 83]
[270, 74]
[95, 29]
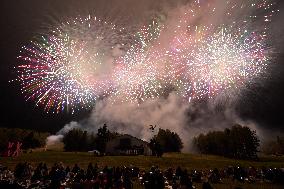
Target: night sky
[22, 19]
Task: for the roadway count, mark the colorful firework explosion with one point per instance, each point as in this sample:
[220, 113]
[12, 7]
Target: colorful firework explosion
[63, 70]
[195, 54]
[210, 58]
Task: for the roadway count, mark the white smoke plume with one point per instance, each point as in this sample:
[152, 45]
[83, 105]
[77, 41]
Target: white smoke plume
[173, 113]
[53, 139]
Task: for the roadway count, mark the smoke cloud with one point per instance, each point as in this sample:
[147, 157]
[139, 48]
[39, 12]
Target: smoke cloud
[172, 112]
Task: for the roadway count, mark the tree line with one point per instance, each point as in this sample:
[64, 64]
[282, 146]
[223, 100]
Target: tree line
[274, 146]
[165, 141]
[28, 138]
[238, 142]
[79, 140]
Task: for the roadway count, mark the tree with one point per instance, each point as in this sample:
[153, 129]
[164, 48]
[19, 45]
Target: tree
[79, 140]
[92, 141]
[275, 146]
[29, 138]
[237, 142]
[103, 136]
[156, 148]
[30, 141]
[169, 141]
[84, 141]
[75, 140]
[244, 142]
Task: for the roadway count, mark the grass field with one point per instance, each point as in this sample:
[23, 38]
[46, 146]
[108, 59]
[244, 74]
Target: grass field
[188, 161]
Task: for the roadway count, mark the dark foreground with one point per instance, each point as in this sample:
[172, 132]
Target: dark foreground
[71, 170]
[59, 176]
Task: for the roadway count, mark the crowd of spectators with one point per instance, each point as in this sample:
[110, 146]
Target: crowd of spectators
[61, 177]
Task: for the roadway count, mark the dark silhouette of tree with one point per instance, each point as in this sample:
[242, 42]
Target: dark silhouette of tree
[29, 138]
[280, 144]
[74, 140]
[84, 141]
[156, 148]
[237, 142]
[30, 141]
[169, 141]
[103, 136]
[79, 140]
[275, 146]
[244, 142]
[92, 141]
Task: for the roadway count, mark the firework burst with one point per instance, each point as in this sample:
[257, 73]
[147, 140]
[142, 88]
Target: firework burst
[63, 71]
[209, 57]
[137, 72]
[193, 53]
